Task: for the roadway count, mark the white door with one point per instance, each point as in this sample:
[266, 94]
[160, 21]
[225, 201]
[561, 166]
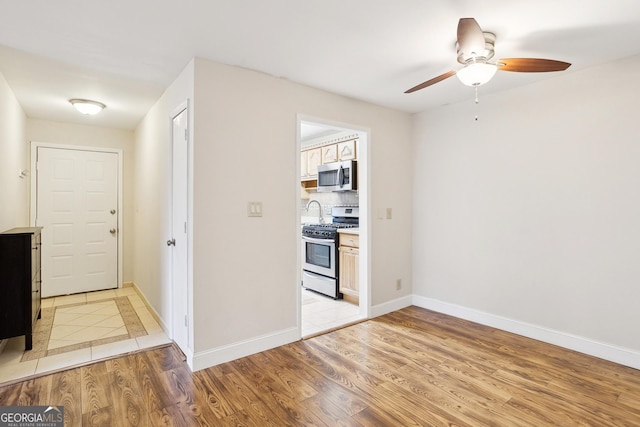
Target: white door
[77, 206]
[179, 240]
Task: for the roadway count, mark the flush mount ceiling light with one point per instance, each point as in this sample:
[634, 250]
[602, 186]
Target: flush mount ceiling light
[476, 73]
[86, 106]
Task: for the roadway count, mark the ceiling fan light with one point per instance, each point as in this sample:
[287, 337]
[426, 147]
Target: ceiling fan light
[476, 74]
[87, 107]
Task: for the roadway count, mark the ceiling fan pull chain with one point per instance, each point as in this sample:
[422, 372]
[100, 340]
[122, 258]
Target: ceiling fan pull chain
[477, 101]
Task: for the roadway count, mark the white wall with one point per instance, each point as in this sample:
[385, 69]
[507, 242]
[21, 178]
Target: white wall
[92, 136]
[14, 156]
[152, 197]
[532, 214]
[245, 149]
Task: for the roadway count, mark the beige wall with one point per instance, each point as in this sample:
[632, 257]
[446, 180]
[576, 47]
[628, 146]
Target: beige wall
[14, 156]
[92, 136]
[532, 213]
[151, 269]
[244, 148]
[152, 197]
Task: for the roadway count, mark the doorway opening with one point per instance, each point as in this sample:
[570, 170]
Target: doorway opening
[330, 300]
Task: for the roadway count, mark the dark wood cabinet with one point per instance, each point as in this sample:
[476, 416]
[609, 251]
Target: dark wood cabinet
[20, 282]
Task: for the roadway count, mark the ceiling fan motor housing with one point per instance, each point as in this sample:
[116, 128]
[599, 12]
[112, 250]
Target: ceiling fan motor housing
[484, 56]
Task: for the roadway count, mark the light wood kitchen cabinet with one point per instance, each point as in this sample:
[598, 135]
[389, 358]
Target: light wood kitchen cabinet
[304, 164]
[309, 161]
[349, 265]
[311, 158]
[329, 154]
[347, 150]
[314, 159]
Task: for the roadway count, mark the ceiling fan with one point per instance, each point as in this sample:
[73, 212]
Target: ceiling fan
[475, 50]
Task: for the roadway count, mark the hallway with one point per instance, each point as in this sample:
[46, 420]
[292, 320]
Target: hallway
[80, 328]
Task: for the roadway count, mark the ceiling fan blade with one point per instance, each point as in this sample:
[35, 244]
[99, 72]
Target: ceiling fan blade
[434, 80]
[531, 65]
[470, 37]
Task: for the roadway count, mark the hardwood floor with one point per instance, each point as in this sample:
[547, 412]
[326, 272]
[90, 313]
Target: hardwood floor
[412, 367]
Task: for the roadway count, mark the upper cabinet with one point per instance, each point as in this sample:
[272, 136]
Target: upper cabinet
[323, 153]
[329, 154]
[346, 150]
[304, 164]
[315, 159]
[309, 161]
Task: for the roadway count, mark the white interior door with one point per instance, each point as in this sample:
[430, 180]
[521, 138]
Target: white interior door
[77, 206]
[179, 239]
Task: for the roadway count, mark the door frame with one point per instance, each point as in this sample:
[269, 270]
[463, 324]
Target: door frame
[364, 178]
[175, 322]
[34, 187]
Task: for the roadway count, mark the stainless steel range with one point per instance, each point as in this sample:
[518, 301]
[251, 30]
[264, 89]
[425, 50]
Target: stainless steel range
[320, 251]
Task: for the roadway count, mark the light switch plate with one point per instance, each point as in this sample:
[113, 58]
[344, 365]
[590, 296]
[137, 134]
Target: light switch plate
[254, 209]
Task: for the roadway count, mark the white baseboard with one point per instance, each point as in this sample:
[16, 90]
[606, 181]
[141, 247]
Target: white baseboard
[215, 356]
[188, 353]
[616, 354]
[389, 306]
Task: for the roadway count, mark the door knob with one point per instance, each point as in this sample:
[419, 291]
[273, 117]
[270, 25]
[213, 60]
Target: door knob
[171, 242]
[112, 231]
[112, 211]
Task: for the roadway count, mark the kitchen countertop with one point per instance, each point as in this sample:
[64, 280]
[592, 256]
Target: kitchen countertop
[314, 220]
[349, 230]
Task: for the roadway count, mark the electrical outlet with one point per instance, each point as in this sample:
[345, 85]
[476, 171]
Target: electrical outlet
[398, 284]
[389, 213]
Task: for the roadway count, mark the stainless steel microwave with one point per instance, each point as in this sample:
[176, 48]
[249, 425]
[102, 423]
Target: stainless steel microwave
[338, 176]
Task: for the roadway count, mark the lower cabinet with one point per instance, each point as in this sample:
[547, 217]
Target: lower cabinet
[349, 265]
[20, 281]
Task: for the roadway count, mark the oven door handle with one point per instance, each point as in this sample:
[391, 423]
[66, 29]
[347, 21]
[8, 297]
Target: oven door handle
[320, 241]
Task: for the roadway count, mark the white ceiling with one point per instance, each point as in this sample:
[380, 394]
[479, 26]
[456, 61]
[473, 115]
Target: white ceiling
[125, 53]
[311, 131]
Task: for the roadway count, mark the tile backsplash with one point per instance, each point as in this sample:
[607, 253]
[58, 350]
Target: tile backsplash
[327, 200]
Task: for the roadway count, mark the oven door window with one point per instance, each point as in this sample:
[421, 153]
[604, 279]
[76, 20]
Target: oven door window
[318, 254]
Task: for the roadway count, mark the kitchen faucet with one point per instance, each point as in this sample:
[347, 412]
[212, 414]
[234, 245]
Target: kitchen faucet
[320, 217]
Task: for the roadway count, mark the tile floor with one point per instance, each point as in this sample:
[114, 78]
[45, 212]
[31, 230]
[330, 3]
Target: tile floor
[76, 323]
[321, 313]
